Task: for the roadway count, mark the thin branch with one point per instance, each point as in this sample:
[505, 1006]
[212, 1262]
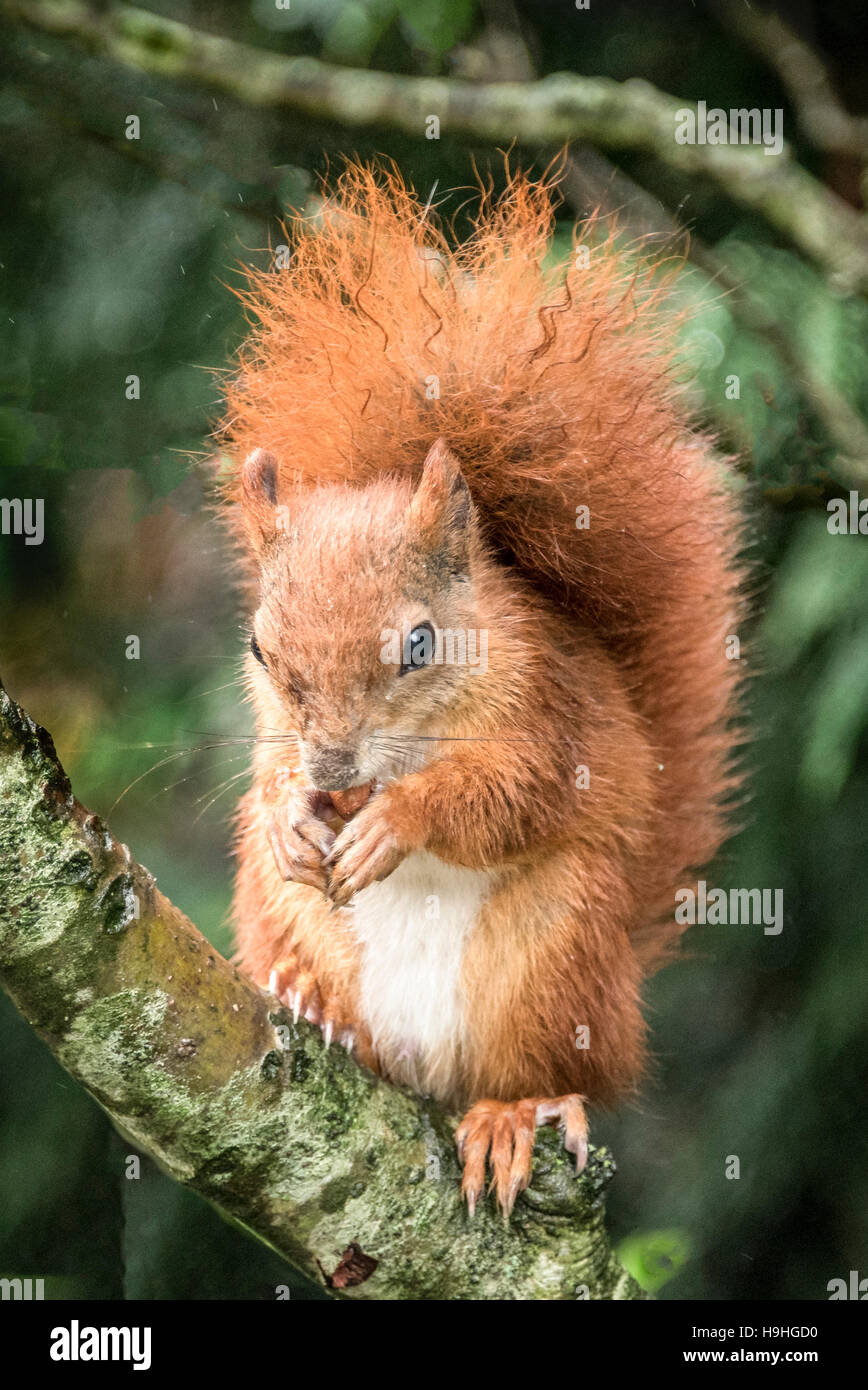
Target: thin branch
[823, 118]
[334, 1168]
[632, 115]
[591, 180]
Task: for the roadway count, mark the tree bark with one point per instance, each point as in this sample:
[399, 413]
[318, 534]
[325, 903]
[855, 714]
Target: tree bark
[354, 1181]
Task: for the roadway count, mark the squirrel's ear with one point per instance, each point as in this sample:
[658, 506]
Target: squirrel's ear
[259, 475]
[441, 512]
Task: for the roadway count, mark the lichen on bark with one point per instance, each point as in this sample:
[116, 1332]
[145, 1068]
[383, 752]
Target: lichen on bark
[353, 1180]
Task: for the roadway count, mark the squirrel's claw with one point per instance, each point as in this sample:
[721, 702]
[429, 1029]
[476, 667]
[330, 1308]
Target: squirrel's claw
[340, 892]
[299, 990]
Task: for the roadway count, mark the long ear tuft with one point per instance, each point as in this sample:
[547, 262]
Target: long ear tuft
[441, 512]
[259, 494]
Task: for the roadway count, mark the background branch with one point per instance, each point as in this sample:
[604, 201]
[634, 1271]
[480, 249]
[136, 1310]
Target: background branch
[347, 1177]
[589, 179]
[803, 74]
[631, 115]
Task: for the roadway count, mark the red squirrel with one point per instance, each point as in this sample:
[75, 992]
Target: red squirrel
[427, 439]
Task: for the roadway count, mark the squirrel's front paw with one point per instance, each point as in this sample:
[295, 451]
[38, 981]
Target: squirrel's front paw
[299, 839]
[369, 848]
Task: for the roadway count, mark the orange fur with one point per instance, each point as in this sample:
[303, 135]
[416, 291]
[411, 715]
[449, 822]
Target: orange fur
[607, 644]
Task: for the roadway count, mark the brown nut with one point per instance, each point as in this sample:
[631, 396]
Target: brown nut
[348, 802]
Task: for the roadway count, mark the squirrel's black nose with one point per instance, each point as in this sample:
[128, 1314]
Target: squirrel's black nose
[332, 769]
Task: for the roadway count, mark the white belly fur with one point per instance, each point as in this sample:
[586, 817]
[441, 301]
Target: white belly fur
[414, 928]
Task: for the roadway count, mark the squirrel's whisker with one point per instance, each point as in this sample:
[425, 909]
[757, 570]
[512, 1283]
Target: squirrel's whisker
[162, 762]
[189, 750]
[380, 740]
[200, 695]
[224, 787]
[196, 773]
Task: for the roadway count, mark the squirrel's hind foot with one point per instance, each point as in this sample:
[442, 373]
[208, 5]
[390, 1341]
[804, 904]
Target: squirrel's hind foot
[503, 1132]
[299, 990]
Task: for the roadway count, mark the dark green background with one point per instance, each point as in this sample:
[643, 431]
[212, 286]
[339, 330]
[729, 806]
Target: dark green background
[116, 259]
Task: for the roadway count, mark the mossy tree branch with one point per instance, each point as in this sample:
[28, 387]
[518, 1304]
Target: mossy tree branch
[562, 107]
[313, 1154]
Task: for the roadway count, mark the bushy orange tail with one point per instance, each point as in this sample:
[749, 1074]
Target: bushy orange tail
[556, 390]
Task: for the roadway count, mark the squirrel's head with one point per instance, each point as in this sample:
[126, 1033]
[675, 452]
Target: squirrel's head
[366, 635]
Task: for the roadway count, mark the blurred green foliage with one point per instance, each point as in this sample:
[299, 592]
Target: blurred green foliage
[654, 1257]
[118, 258]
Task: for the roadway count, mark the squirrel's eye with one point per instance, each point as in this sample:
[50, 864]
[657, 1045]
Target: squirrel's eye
[254, 647]
[418, 648]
